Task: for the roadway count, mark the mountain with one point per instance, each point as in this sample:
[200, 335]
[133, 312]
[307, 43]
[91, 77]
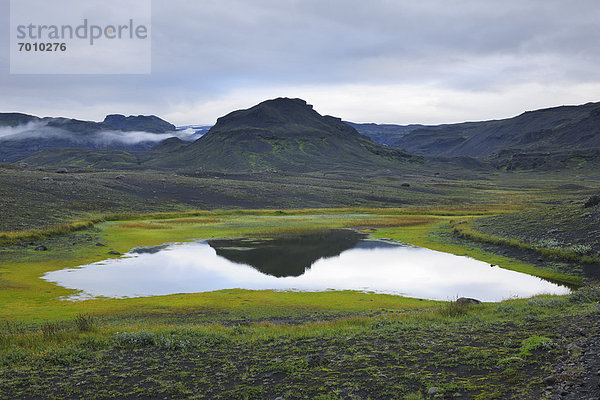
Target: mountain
[387, 134]
[141, 123]
[22, 135]
[566, 130]
[16, 119]
[276, 135]
[282, 134]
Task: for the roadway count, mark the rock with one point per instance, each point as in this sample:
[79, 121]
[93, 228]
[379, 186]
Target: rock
[405, 185]
[41, 248]
[550, 380]
[62, 171]
[432, 391]
[592, 201]
[463, 301]
[573, 348]
[46, 178]
[100, 244]
[114, 253]
[515, 358]
[315, 360]
[120, 177]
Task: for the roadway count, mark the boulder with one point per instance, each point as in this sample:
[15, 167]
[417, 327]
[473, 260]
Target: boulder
[463, 301]
[592, 201]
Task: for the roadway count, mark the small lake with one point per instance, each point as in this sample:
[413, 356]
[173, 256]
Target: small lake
[333, 260]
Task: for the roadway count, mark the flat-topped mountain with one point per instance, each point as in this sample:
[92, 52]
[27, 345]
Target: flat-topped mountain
[141, 123]
[283, 134]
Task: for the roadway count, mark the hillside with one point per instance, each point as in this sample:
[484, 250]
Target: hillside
[562, 129]
[387, 134]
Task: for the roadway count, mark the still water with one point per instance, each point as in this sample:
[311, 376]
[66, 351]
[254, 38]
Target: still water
[337, 259]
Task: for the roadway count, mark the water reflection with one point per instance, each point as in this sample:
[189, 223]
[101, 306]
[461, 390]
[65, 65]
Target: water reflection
[310, 264]
[286, 256]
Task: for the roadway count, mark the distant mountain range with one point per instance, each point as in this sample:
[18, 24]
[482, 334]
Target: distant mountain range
[552, 138]
[22, 134]
[552, 129]
[288, 135]
[276, 135]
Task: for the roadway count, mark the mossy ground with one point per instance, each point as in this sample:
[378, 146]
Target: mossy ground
[226, 344]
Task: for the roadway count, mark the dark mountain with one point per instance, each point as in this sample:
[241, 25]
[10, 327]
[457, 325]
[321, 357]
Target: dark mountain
[141, 123]
[275, 135]
[282, 134]
[286, 256]
[22, 134]
[15, 119]
[387, 134]
[560, 129]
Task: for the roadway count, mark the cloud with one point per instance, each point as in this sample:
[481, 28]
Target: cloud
[99, 138]
[380, 61]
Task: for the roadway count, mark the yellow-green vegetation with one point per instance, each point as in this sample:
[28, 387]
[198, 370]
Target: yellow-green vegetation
[256, 344]
[547, 248]
[27, 296]
[485, 351]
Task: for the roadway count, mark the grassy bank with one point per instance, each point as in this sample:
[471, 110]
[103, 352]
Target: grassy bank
[488, 351]
[550, 249]
[29, 297]
[263, 344]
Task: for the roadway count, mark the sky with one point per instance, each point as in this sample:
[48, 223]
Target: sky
[382, 61]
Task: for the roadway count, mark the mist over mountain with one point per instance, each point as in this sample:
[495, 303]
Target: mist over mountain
[276, 135]
[289, 135]
[22, 134]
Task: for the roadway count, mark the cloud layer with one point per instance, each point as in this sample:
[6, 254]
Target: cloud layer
[382, 61]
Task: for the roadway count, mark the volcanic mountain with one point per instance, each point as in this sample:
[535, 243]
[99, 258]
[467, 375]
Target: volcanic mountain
[281, 134]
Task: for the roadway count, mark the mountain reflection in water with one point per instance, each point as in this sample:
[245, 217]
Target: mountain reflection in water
[287, 256]
[336, 259]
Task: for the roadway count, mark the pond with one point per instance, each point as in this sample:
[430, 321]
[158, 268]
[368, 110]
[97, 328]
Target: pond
[332, 260]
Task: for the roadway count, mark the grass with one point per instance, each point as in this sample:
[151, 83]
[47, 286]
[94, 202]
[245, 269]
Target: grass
[34, 299]
[544, 248]
[493, 350]
[247, 344]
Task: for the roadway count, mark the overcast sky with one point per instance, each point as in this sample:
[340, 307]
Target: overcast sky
[385, 61]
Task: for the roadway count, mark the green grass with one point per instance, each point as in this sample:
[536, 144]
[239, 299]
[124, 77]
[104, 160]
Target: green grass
[243, 344]
[28, 297]
[568, 253]
[494, 350]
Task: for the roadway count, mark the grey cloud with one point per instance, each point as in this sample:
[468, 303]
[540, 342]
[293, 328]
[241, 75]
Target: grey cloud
[205, 50]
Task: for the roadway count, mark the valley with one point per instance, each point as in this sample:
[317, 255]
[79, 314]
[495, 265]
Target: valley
[279, 171]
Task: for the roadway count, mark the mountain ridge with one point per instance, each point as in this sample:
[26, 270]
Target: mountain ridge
[22, 134]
